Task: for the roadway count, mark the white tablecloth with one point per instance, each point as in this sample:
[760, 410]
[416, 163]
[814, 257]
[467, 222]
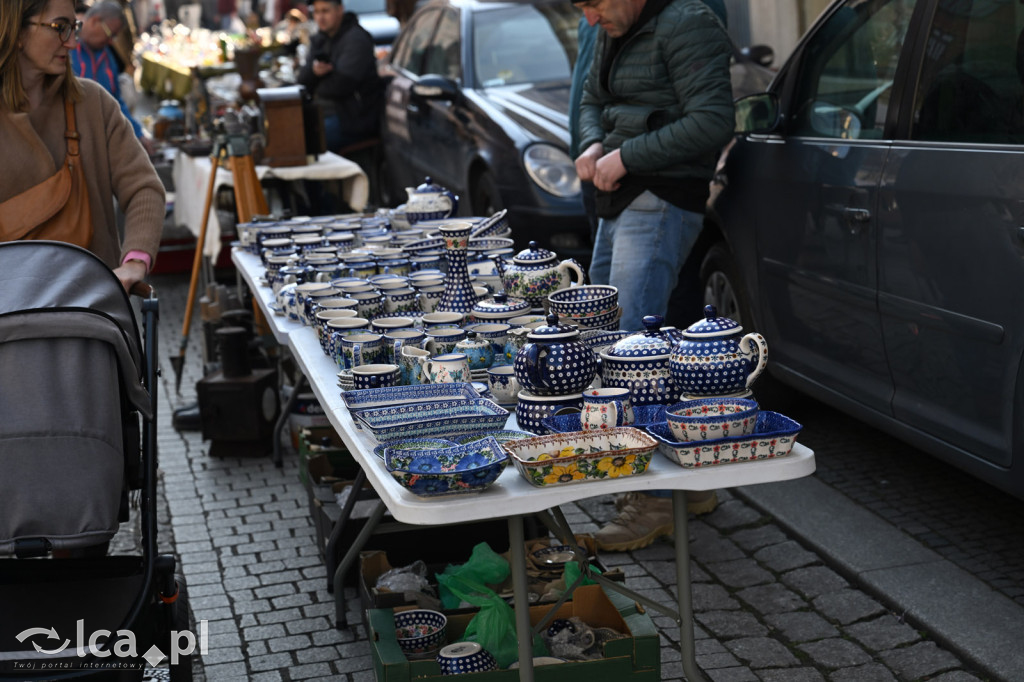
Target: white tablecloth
[192, 175]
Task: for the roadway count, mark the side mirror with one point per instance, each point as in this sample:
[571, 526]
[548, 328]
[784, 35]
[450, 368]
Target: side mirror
[432, 86]
[757, 113]
[762, 55]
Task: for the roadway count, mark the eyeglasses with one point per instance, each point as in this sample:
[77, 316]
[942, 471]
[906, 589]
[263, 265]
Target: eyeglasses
[63, 28]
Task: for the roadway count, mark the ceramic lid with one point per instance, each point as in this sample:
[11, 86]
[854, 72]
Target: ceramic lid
[429, 187]
[533, 255]
[554, 331]
[500, 306]
[712, 325]
[649, 343]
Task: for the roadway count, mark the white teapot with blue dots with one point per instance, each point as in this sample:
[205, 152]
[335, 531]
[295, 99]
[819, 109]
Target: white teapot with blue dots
[715, 358]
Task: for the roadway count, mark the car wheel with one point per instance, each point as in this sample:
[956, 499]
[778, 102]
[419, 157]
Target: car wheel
[485, 199]
[722, 286]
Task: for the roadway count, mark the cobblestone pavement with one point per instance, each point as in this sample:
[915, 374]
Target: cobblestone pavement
[767, 608]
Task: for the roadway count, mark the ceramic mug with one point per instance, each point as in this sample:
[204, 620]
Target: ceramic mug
[446, 318]
[430, 297]
[355, 348]
[383, 325]
[449, 368]
[370, 304]
[323, 332]
[497, 334]
[532, 409]
[395, 340]
[353, 286]
[443, 340]
[410, 362]
[503, 385]
[606, 408]
[375, 376]
[401, 301]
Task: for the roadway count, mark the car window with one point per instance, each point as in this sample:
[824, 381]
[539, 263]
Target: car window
[524, 44]
[442, 56]
[848, 69]
[412, 46]
[365, 6]
[969, 89]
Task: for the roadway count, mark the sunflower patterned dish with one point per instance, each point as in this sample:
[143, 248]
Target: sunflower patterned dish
[774, 436]
[563, 458]
[447, 471]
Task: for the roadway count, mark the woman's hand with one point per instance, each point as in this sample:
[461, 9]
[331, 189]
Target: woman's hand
[130, 272]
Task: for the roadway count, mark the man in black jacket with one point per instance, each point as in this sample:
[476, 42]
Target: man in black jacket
[342, 76]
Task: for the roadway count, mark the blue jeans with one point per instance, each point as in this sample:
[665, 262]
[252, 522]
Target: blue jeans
[337, 138]
[641, 252]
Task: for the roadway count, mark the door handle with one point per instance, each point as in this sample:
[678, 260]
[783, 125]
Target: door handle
[856, 219]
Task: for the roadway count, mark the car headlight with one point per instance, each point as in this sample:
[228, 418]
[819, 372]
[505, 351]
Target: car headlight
[552, 170]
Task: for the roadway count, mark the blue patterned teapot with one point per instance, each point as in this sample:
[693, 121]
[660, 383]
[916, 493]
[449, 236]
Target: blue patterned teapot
[715, 358]
[429, 201]
[555, 361]
[534, 273]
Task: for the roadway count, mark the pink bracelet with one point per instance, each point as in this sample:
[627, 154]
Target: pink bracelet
[139, 256]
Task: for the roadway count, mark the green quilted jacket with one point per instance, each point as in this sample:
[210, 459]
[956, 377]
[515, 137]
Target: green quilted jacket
[668, 105]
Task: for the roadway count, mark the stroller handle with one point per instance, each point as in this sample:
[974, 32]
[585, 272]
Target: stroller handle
[142, 290]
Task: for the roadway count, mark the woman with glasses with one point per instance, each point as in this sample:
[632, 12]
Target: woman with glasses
[68, 152]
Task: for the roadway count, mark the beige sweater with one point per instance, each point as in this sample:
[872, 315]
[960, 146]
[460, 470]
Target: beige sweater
[115, 164]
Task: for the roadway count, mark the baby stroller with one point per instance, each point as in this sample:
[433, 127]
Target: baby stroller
[77, 447]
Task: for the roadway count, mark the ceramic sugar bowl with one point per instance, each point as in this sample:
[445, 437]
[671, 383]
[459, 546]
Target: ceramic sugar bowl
[555, 361]
[640, 362]
[534, 273]
[715, 358]
[429, 201]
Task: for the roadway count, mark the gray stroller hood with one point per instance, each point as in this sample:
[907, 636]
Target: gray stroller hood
[70, 369]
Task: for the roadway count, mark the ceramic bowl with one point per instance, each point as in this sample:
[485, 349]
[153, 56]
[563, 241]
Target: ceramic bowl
[468, 468]
[420, 631]
[644, 415]
[493, 226]
[584, 301]
[413, 445]
[601, 321]
[434, 419]
[712, 418]
[582, 456]
[503, 436]
[465, 657]
[773, 436]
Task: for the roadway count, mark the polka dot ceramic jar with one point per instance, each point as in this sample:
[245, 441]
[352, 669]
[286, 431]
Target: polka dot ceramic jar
[640, 362]
[465, 657]
[555, 361]
[715, 358]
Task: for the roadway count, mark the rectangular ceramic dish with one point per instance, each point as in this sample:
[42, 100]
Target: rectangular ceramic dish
[392, 396]
[645, 415]
[563, 458]
[435, 418]
[773, 436]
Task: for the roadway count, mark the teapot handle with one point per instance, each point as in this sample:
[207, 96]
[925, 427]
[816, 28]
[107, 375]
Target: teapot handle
[531, 364]
[746, 345]
[574, 265]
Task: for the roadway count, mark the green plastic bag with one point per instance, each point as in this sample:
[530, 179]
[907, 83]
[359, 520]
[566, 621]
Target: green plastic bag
[469, 581]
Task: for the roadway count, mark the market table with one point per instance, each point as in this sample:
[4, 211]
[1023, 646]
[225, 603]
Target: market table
[512, 498]
[192, 176]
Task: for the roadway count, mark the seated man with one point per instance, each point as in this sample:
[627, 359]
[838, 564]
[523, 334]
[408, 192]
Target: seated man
[342, 76]
[94, 59]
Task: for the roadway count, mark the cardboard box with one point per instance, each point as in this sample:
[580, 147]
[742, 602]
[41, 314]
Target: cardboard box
[636, 658]
[324, 454]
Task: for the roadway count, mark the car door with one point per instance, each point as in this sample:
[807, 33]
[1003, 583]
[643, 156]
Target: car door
[951, 266]
[404, 166]
[817, 230]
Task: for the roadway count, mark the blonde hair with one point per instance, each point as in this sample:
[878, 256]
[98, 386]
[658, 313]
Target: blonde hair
[14, 18]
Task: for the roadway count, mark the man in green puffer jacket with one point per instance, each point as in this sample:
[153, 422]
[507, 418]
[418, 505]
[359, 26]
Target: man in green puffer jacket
[656, 111]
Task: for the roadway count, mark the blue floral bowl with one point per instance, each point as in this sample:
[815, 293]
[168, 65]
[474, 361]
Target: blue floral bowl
[413, 445]
[420, 632]
[465, 468]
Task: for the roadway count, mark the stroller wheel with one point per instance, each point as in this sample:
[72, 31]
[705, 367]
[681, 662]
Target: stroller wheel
[182, 670]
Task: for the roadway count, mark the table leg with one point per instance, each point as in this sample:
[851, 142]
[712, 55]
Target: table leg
[282, 420]
[683, 590]
[331, 550]
[522, 598]
[350, 556]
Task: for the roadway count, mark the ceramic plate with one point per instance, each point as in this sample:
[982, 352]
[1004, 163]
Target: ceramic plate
[438, 418]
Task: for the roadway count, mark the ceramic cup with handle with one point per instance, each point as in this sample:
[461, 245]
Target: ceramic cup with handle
[606, 408]
[443, 340]
[359, 348]
[336, 326]
[376, 375]
[410, 362]
[396, 339]
[449, 368]
[503, 384]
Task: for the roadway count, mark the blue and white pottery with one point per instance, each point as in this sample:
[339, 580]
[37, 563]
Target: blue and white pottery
[774, 436]
[606, 408]
[602, 321]
[716, 358]
[420, 631]
[497, 334]
[354, 348]
[323, 332]
[378, 375]
[413, 444]
[311, 297]
[465, 657]
[555, 361]
[430, 297]
[640, 362]
[532, 410]
[401, 301]
[467, 468]
[403, 395]
[411, 362]
[382, 324]
[478, 351]
[446, 369]
[434, 418]
[429, 201]
[499, 309]
[503, 384]
[458, 288]
[397, 339]
[534, 273]
[443, 340]
[712, 418]
[492, 225]
[447, 320]
[369, 304]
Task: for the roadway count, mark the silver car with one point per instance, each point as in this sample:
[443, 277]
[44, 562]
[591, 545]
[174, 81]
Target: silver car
[868, 222]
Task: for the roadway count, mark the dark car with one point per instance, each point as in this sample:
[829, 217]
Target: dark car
[478, 102]
[868, 224]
